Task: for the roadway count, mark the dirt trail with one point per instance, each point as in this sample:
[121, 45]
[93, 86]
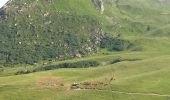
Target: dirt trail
[137, 93]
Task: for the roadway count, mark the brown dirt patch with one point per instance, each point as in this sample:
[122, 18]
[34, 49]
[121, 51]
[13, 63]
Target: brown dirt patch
[91, 85]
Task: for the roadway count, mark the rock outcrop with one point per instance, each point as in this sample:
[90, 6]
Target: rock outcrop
[99, 4]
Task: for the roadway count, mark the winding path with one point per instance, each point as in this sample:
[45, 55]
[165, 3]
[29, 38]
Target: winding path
[137, 93]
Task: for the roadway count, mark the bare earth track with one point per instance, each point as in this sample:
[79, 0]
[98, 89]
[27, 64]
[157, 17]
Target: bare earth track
[136, 93]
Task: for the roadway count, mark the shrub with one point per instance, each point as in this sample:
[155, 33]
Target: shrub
[116, 60]
[115, 44]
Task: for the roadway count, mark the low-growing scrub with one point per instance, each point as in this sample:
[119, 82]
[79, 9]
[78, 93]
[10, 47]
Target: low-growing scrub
[115, 44]
[80, 64]
[116, 60]
[119, 59]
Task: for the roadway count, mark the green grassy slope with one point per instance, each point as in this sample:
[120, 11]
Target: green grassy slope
[145, 77]
[143, 22]
[139, 16]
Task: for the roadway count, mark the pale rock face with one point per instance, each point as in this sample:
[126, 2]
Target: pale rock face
[99, 5]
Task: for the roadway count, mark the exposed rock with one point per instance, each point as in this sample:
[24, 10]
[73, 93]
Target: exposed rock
[98, 35]
[75, 86]
[78, 55]
[99, 4]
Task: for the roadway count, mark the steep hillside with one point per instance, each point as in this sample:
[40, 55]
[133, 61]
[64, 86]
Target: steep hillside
[35, 30]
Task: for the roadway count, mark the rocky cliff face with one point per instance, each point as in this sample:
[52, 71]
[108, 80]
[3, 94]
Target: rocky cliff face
[99, 4]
